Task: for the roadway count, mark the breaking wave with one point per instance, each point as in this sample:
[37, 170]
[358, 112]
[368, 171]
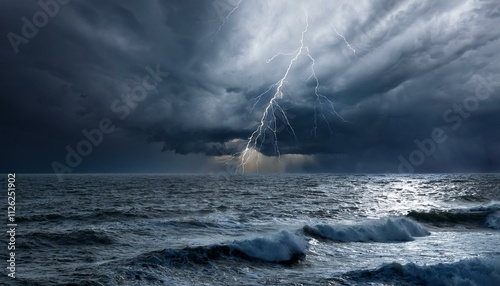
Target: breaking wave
[476, 271]
[282, 248]
[481, 216]
[383, 230]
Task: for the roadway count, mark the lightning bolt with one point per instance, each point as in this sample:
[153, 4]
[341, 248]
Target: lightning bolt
[226, 19]
[273, 104]
[259, 97]
[345, 41]
[268, 120]
[320, 98]
[349, 46]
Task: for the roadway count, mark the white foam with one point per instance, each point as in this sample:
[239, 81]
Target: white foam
[383, 230]
[493, 221]
[492, 206]
[481, 272]
[281, 247]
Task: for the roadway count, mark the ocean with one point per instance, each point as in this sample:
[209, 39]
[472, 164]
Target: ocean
[285, 229]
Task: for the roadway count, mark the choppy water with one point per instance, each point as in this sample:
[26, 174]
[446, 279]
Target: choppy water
[258, 230]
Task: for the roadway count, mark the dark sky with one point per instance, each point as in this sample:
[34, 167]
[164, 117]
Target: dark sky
[173, 86]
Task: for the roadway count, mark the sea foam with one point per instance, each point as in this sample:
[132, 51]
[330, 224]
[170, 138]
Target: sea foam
[493, 221]
[479, 216]
[383, 230]
[470, 272]
[285, 246]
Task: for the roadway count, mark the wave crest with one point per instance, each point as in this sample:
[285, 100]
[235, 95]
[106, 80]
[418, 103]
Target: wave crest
[282, 248]
[476, 271]
[383, 230]
[481, 216]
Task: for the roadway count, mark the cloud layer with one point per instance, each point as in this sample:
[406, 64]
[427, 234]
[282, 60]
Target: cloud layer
[395, 72]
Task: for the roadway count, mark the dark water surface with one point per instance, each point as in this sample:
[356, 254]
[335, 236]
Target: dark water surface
[316, 229]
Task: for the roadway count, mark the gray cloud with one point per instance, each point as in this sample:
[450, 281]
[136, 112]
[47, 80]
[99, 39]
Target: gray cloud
[413, 61]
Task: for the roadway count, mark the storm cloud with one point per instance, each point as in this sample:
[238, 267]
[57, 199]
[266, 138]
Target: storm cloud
[414, 85]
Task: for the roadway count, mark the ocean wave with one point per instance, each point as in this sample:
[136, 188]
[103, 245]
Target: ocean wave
[39, 217]
[476, 271]
[493, 221]
[77, 237]
[383, 230]
[200, 223]
[494, 206]
[480, 216]
[283, 248]
[104, 214]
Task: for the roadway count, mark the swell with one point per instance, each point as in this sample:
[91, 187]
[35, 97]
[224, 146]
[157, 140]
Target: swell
[77, 237]
[382, 230]
[282, 248]
[285, 247]
[481, 216]
[97, 215]
[475, 271]
[185, 223]
[114, 214]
